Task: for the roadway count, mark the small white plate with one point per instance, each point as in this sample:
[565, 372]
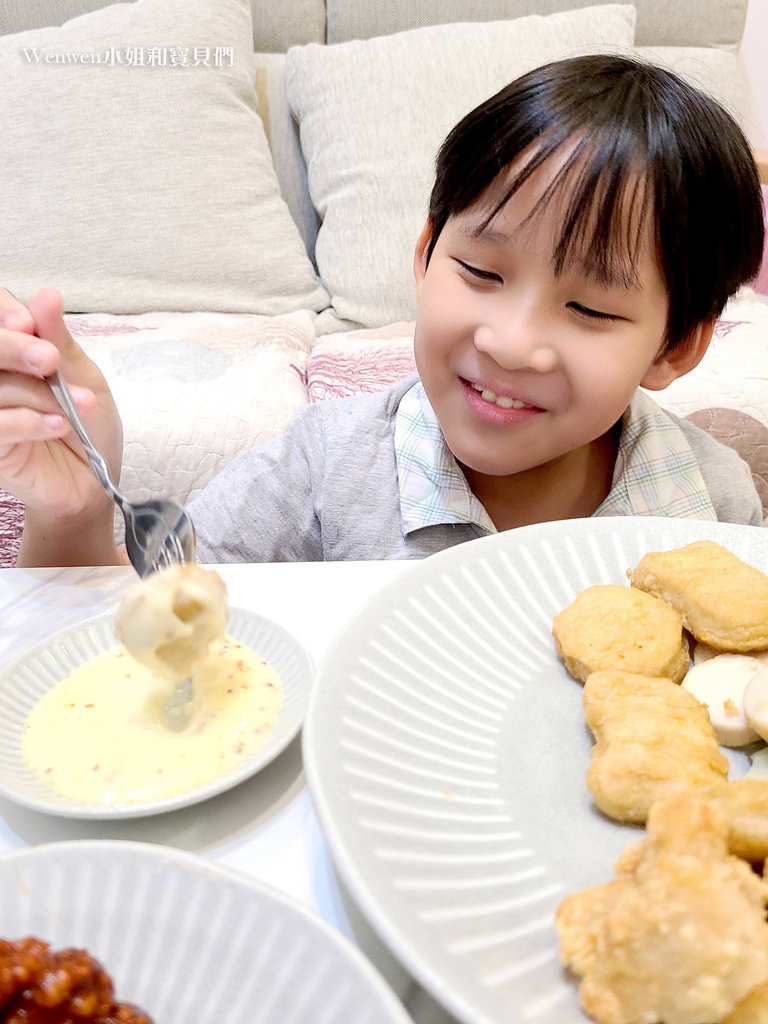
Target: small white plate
[30, 677]
[187, 941]
[446, 753]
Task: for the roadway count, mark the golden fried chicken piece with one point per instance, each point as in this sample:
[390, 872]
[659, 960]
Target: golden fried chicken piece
[651, 735]
[680, 936]
[753, 1009]
[744, 803]
[609, 626]
[169, 620]
[722, 600]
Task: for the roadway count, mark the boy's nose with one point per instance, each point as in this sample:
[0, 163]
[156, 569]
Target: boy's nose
[515, 350]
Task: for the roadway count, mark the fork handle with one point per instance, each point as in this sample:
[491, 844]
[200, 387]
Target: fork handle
[98, 463]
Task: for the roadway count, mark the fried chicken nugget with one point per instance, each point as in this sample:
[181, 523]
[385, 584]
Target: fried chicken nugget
[611, 626]
[753, 1009]
[169, 620]
[651, 736]
[744, 802]
[722, 600]
[680, 936]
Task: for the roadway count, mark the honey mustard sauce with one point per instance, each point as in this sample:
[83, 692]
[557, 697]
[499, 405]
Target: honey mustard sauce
[97, 736]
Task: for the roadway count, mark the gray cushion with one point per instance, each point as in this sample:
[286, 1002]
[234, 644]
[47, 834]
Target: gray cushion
[276, 25]
[659, 22]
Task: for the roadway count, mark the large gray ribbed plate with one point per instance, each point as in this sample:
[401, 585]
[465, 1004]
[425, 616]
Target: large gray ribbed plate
[446, 752]
[188, 941]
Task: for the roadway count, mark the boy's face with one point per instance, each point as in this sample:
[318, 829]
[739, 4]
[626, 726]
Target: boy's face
[523, 367]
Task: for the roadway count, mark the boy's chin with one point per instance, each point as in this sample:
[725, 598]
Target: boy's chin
[485, 466]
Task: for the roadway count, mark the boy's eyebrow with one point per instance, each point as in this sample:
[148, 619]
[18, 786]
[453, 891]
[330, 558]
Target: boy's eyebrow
[611, 275]
[485, 230]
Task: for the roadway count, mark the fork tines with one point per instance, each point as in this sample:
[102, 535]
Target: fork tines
[171, 553]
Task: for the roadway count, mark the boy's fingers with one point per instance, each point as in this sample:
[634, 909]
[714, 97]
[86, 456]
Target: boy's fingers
[23, 425]
[24, 354]
[14, 315]
[18, 391]
[17, 322]
[44, 318]
[47, 308]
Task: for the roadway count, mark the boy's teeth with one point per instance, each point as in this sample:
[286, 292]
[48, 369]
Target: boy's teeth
[501, 400]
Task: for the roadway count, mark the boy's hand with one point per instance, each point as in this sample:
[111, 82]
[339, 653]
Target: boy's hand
[41, 461]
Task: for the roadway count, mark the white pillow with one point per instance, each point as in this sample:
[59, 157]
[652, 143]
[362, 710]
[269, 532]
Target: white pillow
[195, 389]
[372, 115]
[137, 188]
[716, 72]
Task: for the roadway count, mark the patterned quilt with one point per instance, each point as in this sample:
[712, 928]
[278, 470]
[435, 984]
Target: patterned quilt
[195, 389]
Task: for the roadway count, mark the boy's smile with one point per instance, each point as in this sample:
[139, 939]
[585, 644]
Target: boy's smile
[502, 407]
[528, 372]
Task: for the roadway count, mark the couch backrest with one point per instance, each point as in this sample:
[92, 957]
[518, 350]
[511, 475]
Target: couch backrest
[659, 22]
[675, 26]
[278, 24]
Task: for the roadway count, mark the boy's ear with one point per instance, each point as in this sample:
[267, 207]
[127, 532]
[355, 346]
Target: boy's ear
[420, 256]
[681, 360]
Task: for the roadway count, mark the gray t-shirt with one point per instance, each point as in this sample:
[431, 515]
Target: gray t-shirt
[326, 489]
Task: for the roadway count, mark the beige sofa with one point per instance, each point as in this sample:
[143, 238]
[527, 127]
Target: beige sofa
[228, 197]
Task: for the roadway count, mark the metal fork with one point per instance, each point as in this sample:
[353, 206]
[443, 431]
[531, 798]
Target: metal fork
[158, 533]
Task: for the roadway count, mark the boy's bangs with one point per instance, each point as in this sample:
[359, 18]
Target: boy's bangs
[641, 163]
[605, 197]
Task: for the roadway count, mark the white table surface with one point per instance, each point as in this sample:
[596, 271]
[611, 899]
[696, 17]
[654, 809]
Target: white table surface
[267, 826]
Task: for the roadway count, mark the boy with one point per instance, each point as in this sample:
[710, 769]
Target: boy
[586, 227]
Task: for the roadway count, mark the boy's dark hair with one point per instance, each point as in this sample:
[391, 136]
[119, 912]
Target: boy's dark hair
[645, 141]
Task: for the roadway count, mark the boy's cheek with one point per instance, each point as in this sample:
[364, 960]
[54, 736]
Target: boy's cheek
[440, 335]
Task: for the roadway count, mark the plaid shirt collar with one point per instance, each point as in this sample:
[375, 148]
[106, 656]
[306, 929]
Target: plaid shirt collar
[656, 473]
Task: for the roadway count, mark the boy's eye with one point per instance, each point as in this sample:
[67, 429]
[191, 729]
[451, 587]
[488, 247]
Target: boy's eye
[483, 275]
[592, 314]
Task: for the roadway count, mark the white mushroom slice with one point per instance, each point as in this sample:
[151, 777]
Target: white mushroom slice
[720, 683]
[756, 702]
